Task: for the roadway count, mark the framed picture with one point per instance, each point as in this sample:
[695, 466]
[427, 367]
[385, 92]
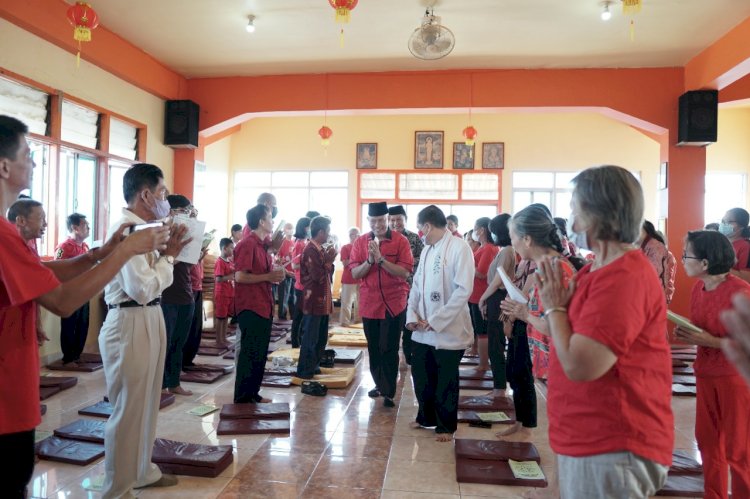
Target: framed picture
[367, 155]
[663, 175]
[428, 149]
[463, 156]
[493, 155]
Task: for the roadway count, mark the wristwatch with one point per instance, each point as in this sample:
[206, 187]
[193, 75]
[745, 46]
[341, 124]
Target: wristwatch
[381, 260]
[169, 259]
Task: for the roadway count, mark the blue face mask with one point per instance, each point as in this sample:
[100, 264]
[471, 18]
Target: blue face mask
[580, 239]
[726, 229]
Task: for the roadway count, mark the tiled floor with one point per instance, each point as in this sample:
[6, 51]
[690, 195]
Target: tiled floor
[343, 445]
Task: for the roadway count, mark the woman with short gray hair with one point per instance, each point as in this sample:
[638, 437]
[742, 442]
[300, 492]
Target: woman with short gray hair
[610, 376]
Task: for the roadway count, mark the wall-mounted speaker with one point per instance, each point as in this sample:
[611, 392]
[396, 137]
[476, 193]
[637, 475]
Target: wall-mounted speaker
[181, 124]
[699, 115]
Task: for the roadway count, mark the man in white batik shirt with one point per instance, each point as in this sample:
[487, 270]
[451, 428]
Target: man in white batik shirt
[438, 315]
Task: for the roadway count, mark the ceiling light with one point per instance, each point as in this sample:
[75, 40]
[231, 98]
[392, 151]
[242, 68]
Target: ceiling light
[250, 24]
[606, 14]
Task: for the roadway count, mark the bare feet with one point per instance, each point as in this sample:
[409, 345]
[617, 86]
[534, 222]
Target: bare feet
[485, 367]
[415, 426]
[264, 400]
[444, 437]
[178, 390]
[499, 394]
[516, 429]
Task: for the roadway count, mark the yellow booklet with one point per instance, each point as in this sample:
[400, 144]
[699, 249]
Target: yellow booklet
[526, 470]
[493, 417]
[683, 322]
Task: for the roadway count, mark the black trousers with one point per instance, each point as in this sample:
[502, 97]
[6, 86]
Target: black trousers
[297, 318]
[314, 339]
[496, 339]
[383, 338]
[435, 375]
[73, 333]
[477, 321]
[18, 467]
[406, 344]
[193, 343]
[520, 376]
[251, 357]
[177, 320]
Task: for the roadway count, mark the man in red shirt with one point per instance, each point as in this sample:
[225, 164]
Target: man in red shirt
[253, 301]
[284, 258]
[349, 285]
[317, 267]
[383, 260]
[74, 329]
[24, 282]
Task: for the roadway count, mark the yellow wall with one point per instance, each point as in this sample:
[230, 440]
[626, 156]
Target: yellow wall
[731, 153]
[533, 141]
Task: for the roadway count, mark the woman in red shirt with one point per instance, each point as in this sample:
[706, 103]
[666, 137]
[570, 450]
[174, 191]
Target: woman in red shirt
[610, 375]
[734, 225]
[483, 257]
[723, 398]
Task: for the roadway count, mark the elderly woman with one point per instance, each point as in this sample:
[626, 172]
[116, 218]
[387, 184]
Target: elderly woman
[723, 398]
[610, 375]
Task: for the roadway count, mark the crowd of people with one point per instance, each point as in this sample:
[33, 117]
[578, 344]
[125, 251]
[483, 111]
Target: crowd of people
[578, 304]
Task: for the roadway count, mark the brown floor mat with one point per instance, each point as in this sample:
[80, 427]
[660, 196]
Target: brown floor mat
[476, 384]
[85, 367]
[69, 451]
[47, 391]
[472, 416]
[491, 473]
[64, 382]
[274, 381]
[87, 430]
[682, 486]
[252, 426]
[468, 373]
[495, 450]
[205, 377]
[183, 458]
[484, 404]
[255, 411]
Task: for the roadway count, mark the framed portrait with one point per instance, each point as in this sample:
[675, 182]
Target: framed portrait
[367, 155]
[493, 155]
[663, 175]
[428, 149]
[463, 156]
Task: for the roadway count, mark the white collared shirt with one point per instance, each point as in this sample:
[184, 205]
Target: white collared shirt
[440, 294]
[143, 277]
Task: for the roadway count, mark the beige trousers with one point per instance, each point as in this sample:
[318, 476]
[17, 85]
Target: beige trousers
[349, 300]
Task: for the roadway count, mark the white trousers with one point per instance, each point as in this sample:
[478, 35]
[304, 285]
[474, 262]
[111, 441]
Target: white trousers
[349, 299]
[133, 347]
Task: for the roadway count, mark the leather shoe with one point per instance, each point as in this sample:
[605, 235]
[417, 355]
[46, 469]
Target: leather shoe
[374, 393]
[388, 402]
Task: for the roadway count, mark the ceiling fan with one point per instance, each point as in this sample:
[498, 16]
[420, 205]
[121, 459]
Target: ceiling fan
[431, 40]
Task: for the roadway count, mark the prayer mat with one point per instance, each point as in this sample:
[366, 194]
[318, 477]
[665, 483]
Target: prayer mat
[347, 356]
[683, 379]
[682, 486]
[470, 361]
[683, 370]
[291, 353]
[347, 340]
[86, 430]
[678, 363]
[204, 377]
[683, 391]
[476, 384]
[182, 458]
[690, 357]
[255, 411]
[101, 409]
[475, 374]
[485, 404]
[280, 328]
[81, 366]
[91, 358]
[229, 356]
[282, 322]
[332, 377]
[166, 399]
[69, 451]
[252, 426]
[473, 416]
[63, 382]
[46, 392]
[219, 368]
[43, 409]
[495, 450]
[345, 330]
[276, 381]
[280, 371]
[212, 351]
[684, 463]
[491, 473]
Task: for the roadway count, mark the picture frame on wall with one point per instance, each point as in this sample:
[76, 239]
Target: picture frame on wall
[493, 155]
[428, 149]
[663, 175]
[463, 156]
[367, 155]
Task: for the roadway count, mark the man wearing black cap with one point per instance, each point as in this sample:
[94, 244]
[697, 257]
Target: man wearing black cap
[382, 259]
[397, 221]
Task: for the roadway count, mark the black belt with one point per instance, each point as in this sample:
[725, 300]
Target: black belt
[133, 303]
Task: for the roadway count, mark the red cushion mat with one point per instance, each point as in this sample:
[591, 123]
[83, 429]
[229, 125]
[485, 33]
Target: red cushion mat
[252, 426]
[181, 458]
[474, 374]
[63, 382]
[683, 463]
[255, 411]
[682, 486]
[69, 451]
[46, 392]
[690, 357]
[470, 361]
[683, 391]
[101, 409]
[87, 430]
[495, 450]
[212, 351]
[219, 368]
[491, 473]
[205, 377]
[229, 355]
[476, 384]
[678, 363]
[166, 399]
[484, 404]
[470, 416]
[85, 367]
[94, 358]
[683, 370]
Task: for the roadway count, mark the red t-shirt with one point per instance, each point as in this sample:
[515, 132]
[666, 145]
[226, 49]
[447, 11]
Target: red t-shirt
[346, 277]
[251, 255]
[196, 276]
[22, 279]
[285, 254]
[70, 249]
[705, 307]
[224, 289]
[299, 247]
[483, 257]
[629, 408]
[379, 289]
[742, 251]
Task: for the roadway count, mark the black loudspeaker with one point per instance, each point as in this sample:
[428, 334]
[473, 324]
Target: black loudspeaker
[699, 113]
[181, 124]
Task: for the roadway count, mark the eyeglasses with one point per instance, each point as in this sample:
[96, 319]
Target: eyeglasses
[685, 257]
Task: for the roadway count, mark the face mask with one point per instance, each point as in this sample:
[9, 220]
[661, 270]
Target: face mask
[495, 239]
[580, 239]
[274, 212]
[726, 229]
[424, 237]
[475, 236]
[161, 209]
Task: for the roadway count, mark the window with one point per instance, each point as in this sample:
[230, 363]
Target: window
[724, 190]
[116, 197]
[123, 139]
[467, 214]
[552, 189]
[77, 194]
[296, 193]
[80, 125]
[24, 103]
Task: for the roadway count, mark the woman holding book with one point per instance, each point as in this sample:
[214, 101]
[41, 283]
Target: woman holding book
[723, 398]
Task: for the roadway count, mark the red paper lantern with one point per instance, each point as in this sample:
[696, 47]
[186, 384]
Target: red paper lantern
[343, 9]
[84, 19]
[325, 135]
[470, 133]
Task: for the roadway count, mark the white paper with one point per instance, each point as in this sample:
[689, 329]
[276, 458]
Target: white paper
[514, 293]
[192, 251]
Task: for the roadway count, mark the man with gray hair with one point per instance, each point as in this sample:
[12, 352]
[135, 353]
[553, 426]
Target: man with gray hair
[349, 285]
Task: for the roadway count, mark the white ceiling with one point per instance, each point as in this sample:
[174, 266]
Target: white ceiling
[200, 38]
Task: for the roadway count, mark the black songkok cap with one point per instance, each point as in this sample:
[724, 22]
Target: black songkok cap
[377, 209]
[397, 210]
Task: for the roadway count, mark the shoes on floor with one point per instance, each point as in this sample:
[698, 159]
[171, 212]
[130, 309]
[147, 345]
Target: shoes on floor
[388, 402]
[374, 393]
